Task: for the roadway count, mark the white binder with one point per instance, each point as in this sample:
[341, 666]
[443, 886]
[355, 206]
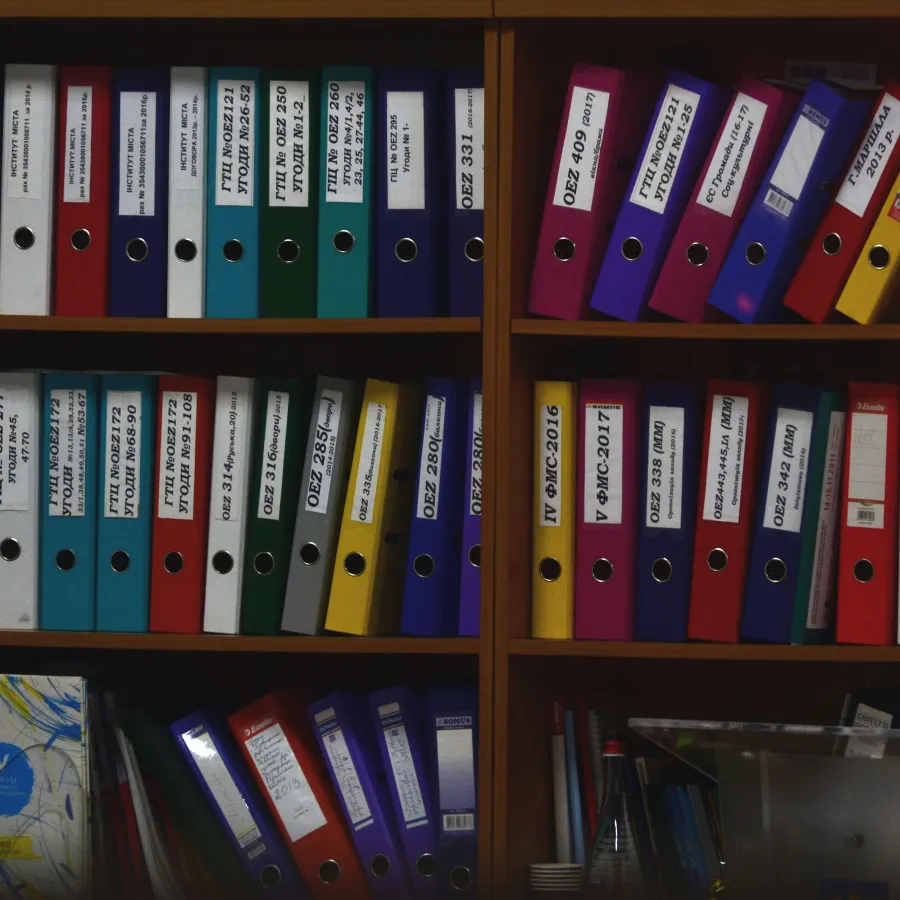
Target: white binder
[228, 504]
[187, 193]
[26, 210]
[20, 447]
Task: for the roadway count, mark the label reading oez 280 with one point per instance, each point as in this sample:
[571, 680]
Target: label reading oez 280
[431, 457]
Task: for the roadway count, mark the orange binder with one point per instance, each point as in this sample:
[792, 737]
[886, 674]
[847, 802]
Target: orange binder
[282, 755]
[867, 566]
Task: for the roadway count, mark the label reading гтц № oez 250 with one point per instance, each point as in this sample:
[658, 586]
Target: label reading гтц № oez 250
[342, 765]
[793, 168]
[577, 176]
[603, 435]
[469, 118]
[271, 473]
[787, 475]
[233, 411]
[550, 450]
[476, 455]
[67, 469]
[727, 456]
[346, 136]
[665, 466]
[122, 471]
[430, 458]
[16, 447]
[405, 152]
[28, 126]
[235, 150]
[366, 489]
[137, 153]
[187, 129]
[177, 455]
[79, 118]
[324, 449]
[289, 143]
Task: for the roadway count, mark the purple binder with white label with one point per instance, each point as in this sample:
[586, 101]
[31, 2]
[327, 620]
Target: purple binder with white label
[470, 560]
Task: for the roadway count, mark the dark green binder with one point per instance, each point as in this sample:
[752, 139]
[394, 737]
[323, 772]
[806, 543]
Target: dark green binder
[290, 167]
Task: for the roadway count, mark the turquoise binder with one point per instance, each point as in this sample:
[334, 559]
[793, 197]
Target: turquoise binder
[126, 458]
[232, 198]
[345, 193]
[68, 502]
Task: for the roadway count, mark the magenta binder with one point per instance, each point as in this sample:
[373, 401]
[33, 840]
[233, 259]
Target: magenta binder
[470, 578]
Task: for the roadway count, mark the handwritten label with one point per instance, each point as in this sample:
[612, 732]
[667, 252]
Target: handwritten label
[28, 128]
[793, 168]
[289, 143]
[324, 451]
[79, 117]
[577, 176]
[230, 445]
[430, 458]
[271, 474]
[235, 140]
[177, 455]
[550, 450]
[868, 466]
[469, 119]
[344, 769]
[405, 152]
[403, 766]
[603, 455]
[67, 468]
[727, 456]
[476, 457]
[665, 466]
[137, 153]
[122, 484]
[187, 128]
[786, 490]
[346, 136]
[366, 489]
[17, 422]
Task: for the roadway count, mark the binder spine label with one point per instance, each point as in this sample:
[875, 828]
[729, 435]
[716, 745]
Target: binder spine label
[870, 162]
[341, 761]
[235, 149]
[476, 455]
[550, 453]
[577, 176]
[271, 472]
[430, 459]
[662, 157]
[137, 153]
[403, 766]
[67, 472]
[177, 454]
[786, 490]
[469, 119]
[792, 170]
[187, 120]
[344, 160]
[289, 143]
[288, 787]
[405, 152]
[725, 466]
[122, 483]
[603, 435]
[28, 117]
[324, 450]
[868, 466]
[79, 117]
[864, 745]
[230, 454]
[16, 430]
[456, 772]
[725, 176]
[366, 488]
[665, 466]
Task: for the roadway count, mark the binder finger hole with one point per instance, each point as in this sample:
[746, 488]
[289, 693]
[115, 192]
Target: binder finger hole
[173, 562]
[120, 561]
[831, 244]
[775, 570]
[185, 250]
[717, 559]
[474, 249]
[10, 549]
[263, 563]
[233, 250]
[475, 555]
[380, 865]
[344, 241]
[288, 251]
[549, 569]
[426, 865]
[309, 554]
[863, 570]
[354, 564]
[879, 257]
[329, 871]
[81, 239]
[65, 560]
[461, 878]
[602, 570]
[423, 565]
[270, 876]
[222, 562]
[755, 254]
[406, 250]
[564, 249]
[698, 254]
[661, 570]
[23, 238]
[632, 249]
[136, 249]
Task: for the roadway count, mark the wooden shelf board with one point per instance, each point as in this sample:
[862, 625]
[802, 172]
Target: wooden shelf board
[689, 9]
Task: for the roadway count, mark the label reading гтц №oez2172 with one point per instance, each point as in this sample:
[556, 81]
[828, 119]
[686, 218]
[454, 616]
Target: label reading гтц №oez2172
[405, 152]
[431, 457]
[79, 118]
[577, 176]
[366, 489]
[289, 143]
[603, 435]
[28, 127]
[727, 456]
[324, 450]
[271, 473]
[16, 446]
[137, 153]
[67, 468]
[187, 129]
[122, 470]
[665, 466]
[177, 455]
[233, 411]
[793, 168]
[476, 455]
[346, 137]
[550, 450]
[469, 118]
[786, 489]
[235, 140]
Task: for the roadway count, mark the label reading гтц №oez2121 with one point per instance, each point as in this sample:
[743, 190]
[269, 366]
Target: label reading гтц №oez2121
[233, 411]
[324, 450]
[665, 466]
[67, 469]
[476, 454]
[16, 446]
[793, 168]
[469, 118]
[727, 456]
[786, 489]
[577, 176]
[346, 134]
[137, 153]
[235, 140]
[659, 167]
[271, 473]
[550, 450]
[122, 471]
[366, 488]
[603, 435]
[405, 152]
[177, 455]
[187, 129]
[431, 457]
[79, 118]
[342, 765]
[28, 121]
[289, 143]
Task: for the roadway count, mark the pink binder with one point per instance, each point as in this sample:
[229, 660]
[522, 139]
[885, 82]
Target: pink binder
[606, 527]
[748, 137]
[603, 125]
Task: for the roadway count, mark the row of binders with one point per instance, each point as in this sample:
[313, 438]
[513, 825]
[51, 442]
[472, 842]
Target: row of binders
[692, 201]
[234, 504]
[657, 520]
[242, 192]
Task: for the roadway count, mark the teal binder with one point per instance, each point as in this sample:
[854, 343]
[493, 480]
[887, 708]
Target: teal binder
[345, 193]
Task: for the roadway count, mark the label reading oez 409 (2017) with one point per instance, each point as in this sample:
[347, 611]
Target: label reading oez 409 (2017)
[577, 176]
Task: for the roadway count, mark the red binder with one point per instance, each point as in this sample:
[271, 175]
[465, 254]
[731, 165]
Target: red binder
[181, 514]
[281, 753]
[747, 139]
[606, 115]
[606, 527]
[843, 232]
[867, 566]
[728, 480]
[82, 199]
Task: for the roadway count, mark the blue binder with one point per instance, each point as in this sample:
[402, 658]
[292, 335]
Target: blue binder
[671, 433]
[431, 594]
[789, 204]
[233, 201]
[409, 244]
[576, 823]
[127, 414]
[138, 252]
[207, 745]
[68, 502]
[778, 536]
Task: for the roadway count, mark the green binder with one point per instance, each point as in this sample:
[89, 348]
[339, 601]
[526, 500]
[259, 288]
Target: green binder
[279, 446]
[818, 570]
[290, 159]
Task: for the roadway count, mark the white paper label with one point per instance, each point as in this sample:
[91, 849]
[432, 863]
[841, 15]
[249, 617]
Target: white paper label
[456, 773]
[403, 767]
[405, 151]
[344, 770]
[122, 484]
[430, 459]
[285, 781]
[344, 159]
[868, 467]
[857, 76]
[469, 118]
[664, 151]
[235, 150]
[727, 452]
[271, 472]
[137, 153]
[16, 447]
[67, 471]
[665, 466]
[550, 451]
[187, 129]
[603, 435]
[577, 176]
[177, 455]
[232, 421]
[324, 450]
[725, 176]
[79, 116]
[29, 130]
[366, 489]
[786, 489]
[476, 455]
[289, 143]
[821, 592]
[221, 785]
[868, 746]
[793, 168]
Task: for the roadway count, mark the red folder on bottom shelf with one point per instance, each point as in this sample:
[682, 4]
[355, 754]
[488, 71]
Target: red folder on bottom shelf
[282, 755]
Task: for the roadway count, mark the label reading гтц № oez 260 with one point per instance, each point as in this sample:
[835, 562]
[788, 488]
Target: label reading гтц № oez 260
[177, 455]
[187, 128]
[16, 446]
[324, 450]
[137, 153]
[665, 466]
[577, 176]
[550, 450]
[405, 152]
[271, 473]
[366, 489]
[67, 468]
[727, 456]
[289, 143]
[603, 435]
[122, 470]
[786, 489]
[346, 137]
[476, 454]
[28, 127]
[793, 168]
[79, 118]
[469, 117]
[431, 457]
[233, 412]
[235, 140]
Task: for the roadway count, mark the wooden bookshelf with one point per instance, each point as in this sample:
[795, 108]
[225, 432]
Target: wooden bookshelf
[693, 9]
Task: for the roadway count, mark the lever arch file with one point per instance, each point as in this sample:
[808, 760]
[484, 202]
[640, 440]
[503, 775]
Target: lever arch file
[473, 499]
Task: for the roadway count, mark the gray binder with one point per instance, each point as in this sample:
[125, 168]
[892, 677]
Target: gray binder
[326, 469]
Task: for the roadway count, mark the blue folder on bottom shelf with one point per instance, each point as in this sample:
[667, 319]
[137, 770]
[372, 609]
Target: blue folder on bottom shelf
[207, 746]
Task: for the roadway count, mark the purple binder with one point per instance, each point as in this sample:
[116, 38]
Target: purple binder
[470, 561]
[685, 122]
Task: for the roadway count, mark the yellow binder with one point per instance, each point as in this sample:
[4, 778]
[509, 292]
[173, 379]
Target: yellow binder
[874, 276]
[553, 551]
[366, 588]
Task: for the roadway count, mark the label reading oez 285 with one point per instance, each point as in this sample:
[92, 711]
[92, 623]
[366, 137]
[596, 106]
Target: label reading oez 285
[324, 449]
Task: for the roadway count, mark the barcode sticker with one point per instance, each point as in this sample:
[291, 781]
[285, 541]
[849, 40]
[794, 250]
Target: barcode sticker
[459, 822]
[779, 203]
[798, 156]
[868, 468]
